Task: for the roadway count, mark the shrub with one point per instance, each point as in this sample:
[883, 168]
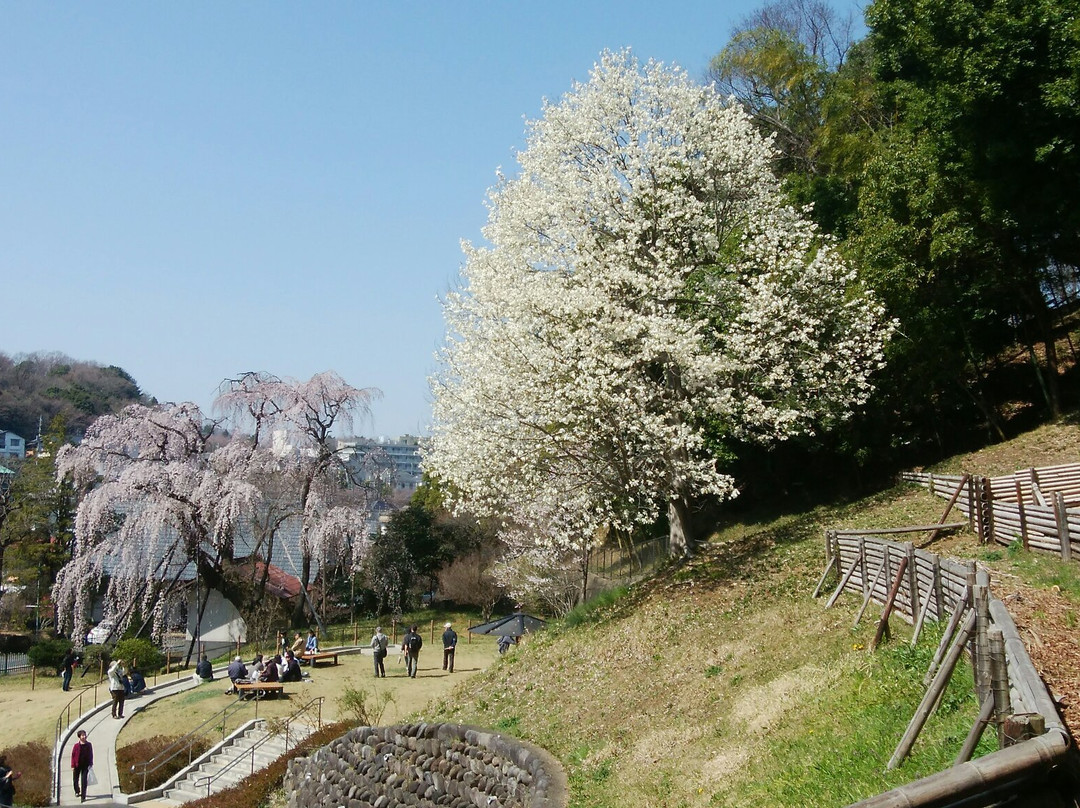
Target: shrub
[95, 659]
[145, 653]
[47, 655]
[146, 749]
[33, 759]
[367, 707]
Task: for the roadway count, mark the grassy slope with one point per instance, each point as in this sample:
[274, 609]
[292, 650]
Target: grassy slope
[721, 682]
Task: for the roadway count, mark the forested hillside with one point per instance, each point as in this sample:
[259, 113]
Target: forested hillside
[37, 387]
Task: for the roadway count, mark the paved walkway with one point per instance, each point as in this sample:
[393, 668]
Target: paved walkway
[102, 731]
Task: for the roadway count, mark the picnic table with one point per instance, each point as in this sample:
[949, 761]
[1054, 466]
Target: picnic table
[321, 656]
[258, 690]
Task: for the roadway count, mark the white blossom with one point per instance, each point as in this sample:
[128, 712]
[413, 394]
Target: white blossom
[642, 277]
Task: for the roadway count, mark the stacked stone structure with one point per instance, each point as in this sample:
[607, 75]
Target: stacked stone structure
[426, 765]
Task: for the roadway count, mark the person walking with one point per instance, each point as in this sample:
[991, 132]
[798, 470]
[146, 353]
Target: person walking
[379, 642]
[117, 688]
[449, 646]
[7, 784]
[412, 643]
[67, 667]
[82, 758]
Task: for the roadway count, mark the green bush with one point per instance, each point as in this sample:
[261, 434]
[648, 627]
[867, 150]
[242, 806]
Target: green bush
[147, 655]
[95, 658]
[48, 654]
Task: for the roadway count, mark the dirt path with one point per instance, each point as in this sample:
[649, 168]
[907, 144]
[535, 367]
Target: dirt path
[1047, 622]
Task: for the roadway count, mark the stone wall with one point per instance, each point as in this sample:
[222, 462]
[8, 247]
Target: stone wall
[426, 765]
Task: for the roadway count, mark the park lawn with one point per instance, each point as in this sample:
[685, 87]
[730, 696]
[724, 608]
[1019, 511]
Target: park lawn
[31, 709]
[31, 705]
[180, 714]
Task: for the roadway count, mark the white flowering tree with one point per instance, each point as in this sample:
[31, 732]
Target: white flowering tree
[159, 492]
[642, 281]
[293, 422]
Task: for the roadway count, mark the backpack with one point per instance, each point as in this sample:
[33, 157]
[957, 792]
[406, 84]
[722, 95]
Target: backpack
[415, 642]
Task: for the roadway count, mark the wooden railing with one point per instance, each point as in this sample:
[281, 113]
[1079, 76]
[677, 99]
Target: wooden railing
[918, 585]
[1038, 507]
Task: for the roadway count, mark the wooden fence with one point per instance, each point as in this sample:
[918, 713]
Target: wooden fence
[918, 585]
[1039, 507]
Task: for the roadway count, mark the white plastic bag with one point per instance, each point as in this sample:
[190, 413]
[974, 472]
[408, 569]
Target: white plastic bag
[91, 778]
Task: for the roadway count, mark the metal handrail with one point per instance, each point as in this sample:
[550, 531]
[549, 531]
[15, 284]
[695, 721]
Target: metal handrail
[189, 739]
[63, 721]
[210, 778]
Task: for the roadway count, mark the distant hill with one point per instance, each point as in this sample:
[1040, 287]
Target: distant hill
[43, 385]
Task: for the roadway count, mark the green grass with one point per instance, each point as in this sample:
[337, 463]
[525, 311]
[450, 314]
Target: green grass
[721, 682]
[594, 608]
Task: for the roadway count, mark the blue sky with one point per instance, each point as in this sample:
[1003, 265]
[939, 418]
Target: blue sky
[194, 190]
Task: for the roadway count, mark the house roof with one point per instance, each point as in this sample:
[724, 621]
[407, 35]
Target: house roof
[279, 583]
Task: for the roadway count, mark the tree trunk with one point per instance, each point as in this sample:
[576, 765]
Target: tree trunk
[584, 562]
[201, 607]
[298, 617]
[682, 541]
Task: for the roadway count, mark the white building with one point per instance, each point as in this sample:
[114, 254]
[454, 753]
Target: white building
[11, 444]
[402, 454]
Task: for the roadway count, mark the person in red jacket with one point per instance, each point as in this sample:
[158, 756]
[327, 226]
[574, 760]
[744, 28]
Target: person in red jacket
[82, 758]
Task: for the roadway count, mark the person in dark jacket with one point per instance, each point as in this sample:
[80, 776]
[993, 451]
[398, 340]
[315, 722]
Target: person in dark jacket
[138, 681]
[204, 670]
[67, 667]
[291, 668]
[237, 672]
[449, 646]
[7, 784]
[82, 758]
[270, 672]
[411, 643]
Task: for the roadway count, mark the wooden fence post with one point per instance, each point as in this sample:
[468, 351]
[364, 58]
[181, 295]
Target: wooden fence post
[972, 515]
[883, 625]
[1061, 516]
[843, 582]
[950, 630]
[975, 735]
[933, 693]
[913, 581]
[862, 563]
[981, 599]
[1022, 511]
[870, 592]
[999, 682]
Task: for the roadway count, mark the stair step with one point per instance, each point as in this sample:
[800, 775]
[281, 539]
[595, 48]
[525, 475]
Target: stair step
[269, 751]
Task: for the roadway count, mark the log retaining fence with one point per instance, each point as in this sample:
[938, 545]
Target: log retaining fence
[1034, 745]
[1039, 507]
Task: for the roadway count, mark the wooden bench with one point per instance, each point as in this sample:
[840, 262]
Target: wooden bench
[259, 690]
[322, 656]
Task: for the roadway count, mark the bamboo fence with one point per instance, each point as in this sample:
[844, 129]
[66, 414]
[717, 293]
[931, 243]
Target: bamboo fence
[918, 585]
[1039, 507]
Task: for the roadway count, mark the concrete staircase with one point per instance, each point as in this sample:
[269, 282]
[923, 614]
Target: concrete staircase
[229, 763]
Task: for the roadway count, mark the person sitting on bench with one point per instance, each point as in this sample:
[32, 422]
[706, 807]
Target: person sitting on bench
[270, 672]
[238, 672]
[204, 670]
